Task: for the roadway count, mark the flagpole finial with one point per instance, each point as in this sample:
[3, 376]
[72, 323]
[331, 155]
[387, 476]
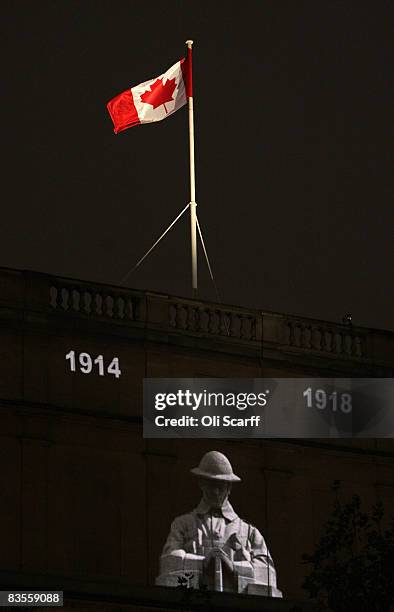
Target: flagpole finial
[189, 43]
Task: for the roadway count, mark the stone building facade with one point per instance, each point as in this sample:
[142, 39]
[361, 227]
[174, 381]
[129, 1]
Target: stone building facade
[87, 502]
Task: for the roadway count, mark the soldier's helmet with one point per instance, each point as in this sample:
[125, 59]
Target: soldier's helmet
[215, 466]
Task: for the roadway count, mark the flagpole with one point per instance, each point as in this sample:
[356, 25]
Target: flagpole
[192, 204]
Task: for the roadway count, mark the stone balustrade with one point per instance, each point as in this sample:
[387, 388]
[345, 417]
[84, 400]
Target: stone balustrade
[33, 291]
[325, 337]
[214, 319]
[92, 300]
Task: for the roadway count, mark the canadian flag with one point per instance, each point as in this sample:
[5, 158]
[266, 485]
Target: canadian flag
[150, 101]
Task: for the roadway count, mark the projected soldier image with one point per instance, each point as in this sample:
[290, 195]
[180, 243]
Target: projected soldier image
[212, 547]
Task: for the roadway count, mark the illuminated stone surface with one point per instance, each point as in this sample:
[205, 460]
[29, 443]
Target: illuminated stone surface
[212, 547]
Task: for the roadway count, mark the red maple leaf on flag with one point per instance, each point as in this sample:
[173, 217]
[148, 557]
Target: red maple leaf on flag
[159, 94]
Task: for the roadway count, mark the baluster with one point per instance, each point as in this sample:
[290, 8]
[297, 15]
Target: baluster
[116, 307]
[288, 333]
[348, 344]
[307, 337]
[66, 298]
[297, 334]
[222, 323]
[253, 328]
[315, 338]
[187, 317]
[242, 327]
[75, 299]
[328, 340]
[189, 320]
[319, 337]
[227, 323]
[122, 307]
[87, 302]
[97, 303]
[129, 309]
[184, 316]
[178, 317]
[213, 321]
[322, 339]
[110, 305]
[70, 304]
[104, 305]
[196, 318]
[172, 315]
[201, 319]
[247, 328]
[181, 317]
[357, 349]
[55, 297]
[235, 325]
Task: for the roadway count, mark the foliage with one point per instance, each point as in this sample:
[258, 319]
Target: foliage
[353, 564]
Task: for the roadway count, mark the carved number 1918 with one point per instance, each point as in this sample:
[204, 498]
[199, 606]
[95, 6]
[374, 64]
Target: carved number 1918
[86, 363]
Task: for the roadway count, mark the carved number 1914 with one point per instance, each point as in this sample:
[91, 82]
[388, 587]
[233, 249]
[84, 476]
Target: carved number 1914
[86, 363]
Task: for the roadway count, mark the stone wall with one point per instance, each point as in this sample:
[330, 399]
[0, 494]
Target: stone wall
[86, 498]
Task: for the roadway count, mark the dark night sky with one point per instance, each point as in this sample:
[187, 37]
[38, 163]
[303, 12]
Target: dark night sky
[292, 115]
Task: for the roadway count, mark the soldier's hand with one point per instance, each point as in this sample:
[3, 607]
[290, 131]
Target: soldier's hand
[211, 555]
[215, 553]
[225, 559]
